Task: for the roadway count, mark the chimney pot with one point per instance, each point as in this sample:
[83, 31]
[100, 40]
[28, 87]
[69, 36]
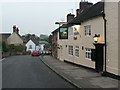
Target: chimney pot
[70, 17]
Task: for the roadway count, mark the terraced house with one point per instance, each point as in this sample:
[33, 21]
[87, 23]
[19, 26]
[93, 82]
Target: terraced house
[92, 39]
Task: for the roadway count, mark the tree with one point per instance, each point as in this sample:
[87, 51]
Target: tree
[19, 48]
[4, 46]
[27, 37]
[44, 38]
[50, 39]
[11, 48]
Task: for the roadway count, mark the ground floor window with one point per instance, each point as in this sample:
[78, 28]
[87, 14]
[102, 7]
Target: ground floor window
[70, 50]
[88, 53]
[77, 51]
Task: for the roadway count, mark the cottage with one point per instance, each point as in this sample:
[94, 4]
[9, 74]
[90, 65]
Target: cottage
[32, 45]
[15, 37]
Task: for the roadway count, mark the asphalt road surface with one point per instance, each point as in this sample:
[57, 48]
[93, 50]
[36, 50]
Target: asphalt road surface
[29, 72]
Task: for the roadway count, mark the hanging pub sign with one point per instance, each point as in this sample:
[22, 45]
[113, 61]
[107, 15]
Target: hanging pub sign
[63, 33]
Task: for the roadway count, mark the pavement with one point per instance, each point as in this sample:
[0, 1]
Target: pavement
[79, 76]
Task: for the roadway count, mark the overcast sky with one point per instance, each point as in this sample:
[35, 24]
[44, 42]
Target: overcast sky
[36, 17]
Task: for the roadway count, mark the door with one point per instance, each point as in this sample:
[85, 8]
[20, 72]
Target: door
[99, 57]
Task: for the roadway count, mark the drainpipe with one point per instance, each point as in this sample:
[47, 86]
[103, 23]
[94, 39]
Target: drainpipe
[35, 47]
[104, 73]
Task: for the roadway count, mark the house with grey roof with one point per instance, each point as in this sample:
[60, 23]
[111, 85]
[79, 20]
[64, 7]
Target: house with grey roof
[32, 45]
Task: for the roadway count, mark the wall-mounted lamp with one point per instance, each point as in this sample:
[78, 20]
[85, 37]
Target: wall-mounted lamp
[96, 38]
[66, 45]
[75, 37]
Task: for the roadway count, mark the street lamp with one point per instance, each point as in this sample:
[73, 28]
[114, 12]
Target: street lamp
[99, 53]
[96, 38]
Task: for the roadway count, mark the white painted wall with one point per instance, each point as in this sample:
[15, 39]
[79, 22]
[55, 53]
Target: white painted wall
[111, 11]
[42, 46]
[34, 47]
[82, 40]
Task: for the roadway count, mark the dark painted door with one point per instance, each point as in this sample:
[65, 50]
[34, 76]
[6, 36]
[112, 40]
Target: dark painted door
[99, 57]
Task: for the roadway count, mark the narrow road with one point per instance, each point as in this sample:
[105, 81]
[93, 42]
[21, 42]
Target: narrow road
[29, 72]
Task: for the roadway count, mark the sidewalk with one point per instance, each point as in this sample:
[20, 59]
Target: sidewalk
[78, 76]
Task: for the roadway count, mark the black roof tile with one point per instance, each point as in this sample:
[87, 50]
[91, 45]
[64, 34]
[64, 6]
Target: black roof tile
[93, 11]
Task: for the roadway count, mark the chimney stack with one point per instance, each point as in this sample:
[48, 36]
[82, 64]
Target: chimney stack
[77, 12]
[15, 29]
[83, 5]
[70, 17]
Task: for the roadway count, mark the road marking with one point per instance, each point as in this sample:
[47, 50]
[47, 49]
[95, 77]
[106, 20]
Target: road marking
[2, 59]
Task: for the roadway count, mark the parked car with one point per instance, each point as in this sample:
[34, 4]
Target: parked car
[35, 53]
[45, 52]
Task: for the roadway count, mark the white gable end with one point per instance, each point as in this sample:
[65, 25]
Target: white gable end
[30, 46]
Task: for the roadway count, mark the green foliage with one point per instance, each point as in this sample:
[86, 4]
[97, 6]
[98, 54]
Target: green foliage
[30, 36]
[44, 38]
[11, 47]
[19, 48]
[5, 47]
[50, 39]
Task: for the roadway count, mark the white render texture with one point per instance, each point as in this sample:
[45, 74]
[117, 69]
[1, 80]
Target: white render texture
[34, 47]
[111, 11]
[82, 41]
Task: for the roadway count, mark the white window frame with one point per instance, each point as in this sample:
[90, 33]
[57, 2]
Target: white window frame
[88, 53]
[77, 51]
[70, 50]
[88, 30]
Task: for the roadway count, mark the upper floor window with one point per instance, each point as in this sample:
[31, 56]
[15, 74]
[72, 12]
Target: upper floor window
[87, 30]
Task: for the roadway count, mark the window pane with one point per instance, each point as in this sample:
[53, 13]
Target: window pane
[87, 30]
[88, 53]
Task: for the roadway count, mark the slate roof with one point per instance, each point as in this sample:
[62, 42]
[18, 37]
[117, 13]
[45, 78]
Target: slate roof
[56, 30]
[20, 36]
[63, 26]
[66, 25]
[35, 41]
[93, 11]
